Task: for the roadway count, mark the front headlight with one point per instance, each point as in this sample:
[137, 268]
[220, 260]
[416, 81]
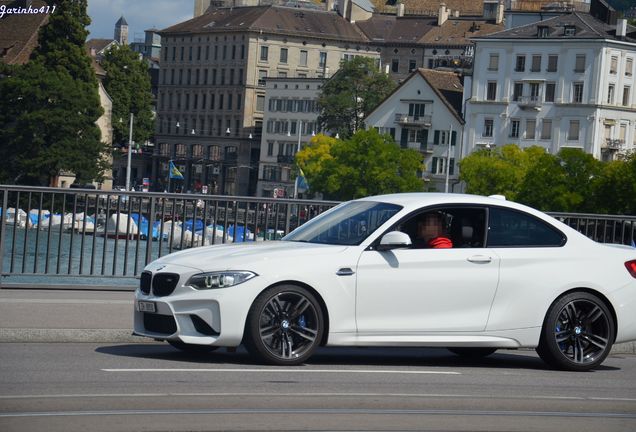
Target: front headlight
[221, 279]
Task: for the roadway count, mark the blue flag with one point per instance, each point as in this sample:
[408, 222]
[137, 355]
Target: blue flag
[301, 182]
[174, 172]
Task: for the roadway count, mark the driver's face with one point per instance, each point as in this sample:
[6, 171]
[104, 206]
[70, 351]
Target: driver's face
[429, 228]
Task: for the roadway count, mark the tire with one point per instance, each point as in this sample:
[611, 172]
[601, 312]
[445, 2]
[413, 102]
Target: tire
[284, 326]
[472, 352]
[577, 333]
[193, 348]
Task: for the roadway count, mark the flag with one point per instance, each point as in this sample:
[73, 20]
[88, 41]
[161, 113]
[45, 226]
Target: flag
[174, 172]
[301, 182]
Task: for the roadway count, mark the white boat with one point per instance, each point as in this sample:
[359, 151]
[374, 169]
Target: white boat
[124, 228]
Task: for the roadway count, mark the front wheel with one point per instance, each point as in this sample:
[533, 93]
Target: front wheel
[284, 326]
[577, 334]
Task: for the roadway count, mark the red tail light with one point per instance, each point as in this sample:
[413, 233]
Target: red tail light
[631, 267]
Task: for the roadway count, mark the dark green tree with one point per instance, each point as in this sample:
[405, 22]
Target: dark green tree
[49, 106]
[365, 164]
[351, 94]
[615, 187]
[128, 84]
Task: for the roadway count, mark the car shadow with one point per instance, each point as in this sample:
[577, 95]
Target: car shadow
[350, 356]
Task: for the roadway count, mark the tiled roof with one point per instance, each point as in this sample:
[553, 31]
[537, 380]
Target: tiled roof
[586, 27]
[270, 19]
[98, 44]
[390, 29]
[448, 87]
[459, 31]
[465, 7]
[19, 32]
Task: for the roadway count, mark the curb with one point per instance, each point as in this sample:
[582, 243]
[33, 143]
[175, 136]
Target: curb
[32, 335]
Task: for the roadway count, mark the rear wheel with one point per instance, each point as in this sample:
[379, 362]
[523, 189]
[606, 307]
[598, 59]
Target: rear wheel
[472, 352]
[578, 333]
[192, 348]
[284, 325]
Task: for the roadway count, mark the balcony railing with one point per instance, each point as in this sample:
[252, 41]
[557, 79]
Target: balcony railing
[286, 159]
[613, 144]
[422, 120]
[531, 102]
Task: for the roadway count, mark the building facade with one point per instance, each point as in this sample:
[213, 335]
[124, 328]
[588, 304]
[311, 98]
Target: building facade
[563, 82]
[290, 120]
[424, 114]
[211, 97]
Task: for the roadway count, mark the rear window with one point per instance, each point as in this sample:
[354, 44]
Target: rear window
[510, 228]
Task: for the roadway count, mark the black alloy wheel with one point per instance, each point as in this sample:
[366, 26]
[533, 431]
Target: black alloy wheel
[284, 326]
[578, 333]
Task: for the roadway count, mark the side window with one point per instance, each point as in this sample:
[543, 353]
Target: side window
[464, 227]
[509, 228]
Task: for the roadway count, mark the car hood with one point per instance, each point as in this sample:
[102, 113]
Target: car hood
[244, 255]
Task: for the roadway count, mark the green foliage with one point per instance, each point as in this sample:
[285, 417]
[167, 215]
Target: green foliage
[128, 84]
[351, 94]
[50, 105]
[365, 164]
[498, 171]
[570, 181]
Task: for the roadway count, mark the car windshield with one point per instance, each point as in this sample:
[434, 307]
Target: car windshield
[348, 224]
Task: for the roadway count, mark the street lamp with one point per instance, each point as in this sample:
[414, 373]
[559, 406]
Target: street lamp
[300, 127]
[450, 141]
[130, 132]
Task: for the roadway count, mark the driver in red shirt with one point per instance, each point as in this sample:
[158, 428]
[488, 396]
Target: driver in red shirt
[431, 233]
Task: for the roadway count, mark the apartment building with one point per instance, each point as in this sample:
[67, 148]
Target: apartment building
[290, 120]
[424, 114]
[567, 81]
[212, 85]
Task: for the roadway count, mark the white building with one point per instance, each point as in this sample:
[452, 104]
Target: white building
[424, 113]
[567, 81]
[290, 119]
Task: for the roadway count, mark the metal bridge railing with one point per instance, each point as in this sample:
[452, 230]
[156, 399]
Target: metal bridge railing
[74, 233]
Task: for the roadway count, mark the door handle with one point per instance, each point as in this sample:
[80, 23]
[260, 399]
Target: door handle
[346, 271]
[480, 259]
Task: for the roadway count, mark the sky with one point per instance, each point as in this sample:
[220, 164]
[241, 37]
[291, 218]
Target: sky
[140, 15]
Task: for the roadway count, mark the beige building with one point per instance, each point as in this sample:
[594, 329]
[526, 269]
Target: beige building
[212, 85]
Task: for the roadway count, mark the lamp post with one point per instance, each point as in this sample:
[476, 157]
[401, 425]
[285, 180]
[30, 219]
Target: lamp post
[450, 136]
[130, 132]
[300, 126]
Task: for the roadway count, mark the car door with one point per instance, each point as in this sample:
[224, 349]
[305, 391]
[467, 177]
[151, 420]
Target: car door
[425, 290]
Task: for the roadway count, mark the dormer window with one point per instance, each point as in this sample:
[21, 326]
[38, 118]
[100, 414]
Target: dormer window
[543, 31]
[570, 30]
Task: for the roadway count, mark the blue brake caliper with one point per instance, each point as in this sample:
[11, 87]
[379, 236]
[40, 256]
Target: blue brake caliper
[301, 321]
[562, 345]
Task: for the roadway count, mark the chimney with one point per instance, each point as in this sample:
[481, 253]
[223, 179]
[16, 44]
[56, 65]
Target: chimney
[621, 28]
[456, 14]
[442, 15]
[400, 9]
[330, 4]
[500, 12]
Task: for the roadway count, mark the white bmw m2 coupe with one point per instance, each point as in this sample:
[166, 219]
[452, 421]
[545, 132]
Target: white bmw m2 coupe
[508, 276]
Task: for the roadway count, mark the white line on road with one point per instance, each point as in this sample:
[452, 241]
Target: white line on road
[64, 301]
[319, 395]
[354, 411]
[296, 371]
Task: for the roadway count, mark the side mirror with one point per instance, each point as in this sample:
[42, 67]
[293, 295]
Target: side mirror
[394, 240]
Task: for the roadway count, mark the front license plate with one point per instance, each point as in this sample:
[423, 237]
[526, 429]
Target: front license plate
[146, 306]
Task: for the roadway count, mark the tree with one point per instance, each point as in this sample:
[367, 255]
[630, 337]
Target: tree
[128, 84]
[614, 189]
[498, 171]
[353, 92]
[49, 106]
[366, 164]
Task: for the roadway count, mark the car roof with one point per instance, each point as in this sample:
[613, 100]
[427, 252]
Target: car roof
[420, 199]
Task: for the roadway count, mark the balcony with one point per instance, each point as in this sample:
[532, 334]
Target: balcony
[613, 144]
[530, 102]
[286, 159]
[422, 120]
[419, 146]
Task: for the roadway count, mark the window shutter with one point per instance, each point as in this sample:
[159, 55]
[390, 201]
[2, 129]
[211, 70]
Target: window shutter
[436, 137]
[451, 170]
[434, 167]
[454, 138]
[404, 138]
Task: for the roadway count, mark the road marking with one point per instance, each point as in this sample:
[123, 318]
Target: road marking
[322, 411]
[64, 301]
[320, 395]
[297, 371]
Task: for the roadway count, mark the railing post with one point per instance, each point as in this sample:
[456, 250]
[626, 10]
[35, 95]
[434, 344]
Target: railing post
[5, 201]
[151, 221]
